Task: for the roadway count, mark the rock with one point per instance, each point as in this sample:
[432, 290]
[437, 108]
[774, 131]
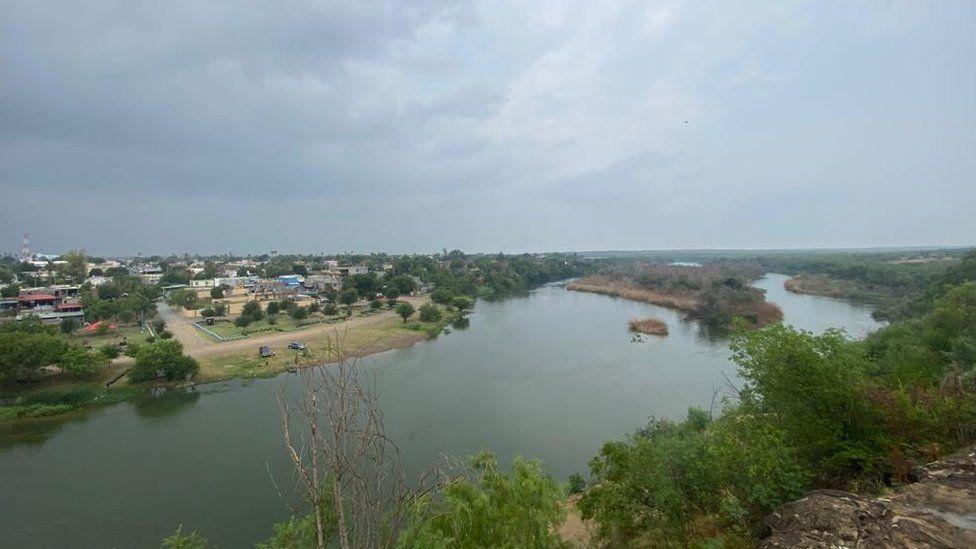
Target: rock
[938, 510]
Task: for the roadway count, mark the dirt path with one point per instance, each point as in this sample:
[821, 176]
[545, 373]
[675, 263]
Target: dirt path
[198, 345]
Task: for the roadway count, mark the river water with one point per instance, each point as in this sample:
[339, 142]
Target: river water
[550, 376]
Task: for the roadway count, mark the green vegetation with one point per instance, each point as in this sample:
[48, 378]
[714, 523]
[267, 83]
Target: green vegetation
[493, 509]
[715, 294]
[429, 313]
[405, 310]
[27, 346]
[162, 359]
[816, 411]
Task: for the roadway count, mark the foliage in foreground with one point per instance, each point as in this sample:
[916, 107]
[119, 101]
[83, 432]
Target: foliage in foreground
[816, 411]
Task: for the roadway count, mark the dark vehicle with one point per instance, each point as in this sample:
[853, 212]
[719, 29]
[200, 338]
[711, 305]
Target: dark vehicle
[296, 346]
[265, 351]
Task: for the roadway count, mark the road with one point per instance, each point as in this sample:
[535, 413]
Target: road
[198, 345]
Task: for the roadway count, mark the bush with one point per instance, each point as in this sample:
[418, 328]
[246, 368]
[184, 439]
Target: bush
[491, 509]
[429, 313]
[69, 325]
[576, 484]
[273, 308]
[109, 350]
[165, 334]
[330, 309]
[375, 304]
[298, 313]
[242, 321]
[442, 296]
[158, 325]
[462, 303]
[272, 320]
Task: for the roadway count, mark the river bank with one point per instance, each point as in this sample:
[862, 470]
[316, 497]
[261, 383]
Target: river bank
[224, 361]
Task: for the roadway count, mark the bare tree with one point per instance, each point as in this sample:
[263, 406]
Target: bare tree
[343, 456]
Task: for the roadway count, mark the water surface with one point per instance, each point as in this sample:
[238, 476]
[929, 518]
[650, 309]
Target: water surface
[551, 376]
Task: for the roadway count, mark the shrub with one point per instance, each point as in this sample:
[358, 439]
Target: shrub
[330, 309]
[109, 350]
[492, 508]
[576, 484]
[242, 321]
[69, 325]
[462, 303]
[165, 334]
[429, 313]
[298, 313]
[442, 295]
[273, 308]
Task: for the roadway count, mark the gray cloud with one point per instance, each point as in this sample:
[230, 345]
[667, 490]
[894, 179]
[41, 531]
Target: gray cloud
[487, 125]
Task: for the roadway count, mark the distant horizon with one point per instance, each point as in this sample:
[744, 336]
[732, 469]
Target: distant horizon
[891, 249]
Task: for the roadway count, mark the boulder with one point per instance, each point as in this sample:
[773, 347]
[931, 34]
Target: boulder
[937, 510]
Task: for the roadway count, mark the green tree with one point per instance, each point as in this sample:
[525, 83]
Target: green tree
[272, 307]
[375, 304]
[429, 313]
[405, 310]
[76, 268]
[462, 303]
[491, 509]
[217, 292]
[81, 363]
[252, 311]
[348, 297]
[442, 295]
[179, 540]
[163, 358]
[69, 325]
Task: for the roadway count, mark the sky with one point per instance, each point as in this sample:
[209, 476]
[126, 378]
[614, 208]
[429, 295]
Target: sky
[316, 126]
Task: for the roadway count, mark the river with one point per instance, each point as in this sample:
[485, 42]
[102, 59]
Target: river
[551, 376]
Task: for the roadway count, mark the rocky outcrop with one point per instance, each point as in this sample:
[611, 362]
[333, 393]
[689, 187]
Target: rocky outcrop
[937, 510]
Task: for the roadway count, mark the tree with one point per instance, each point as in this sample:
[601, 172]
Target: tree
[272, 308]
[11, 290]
[348, 297]
[81, 363]
[462, 303]
[24, 352]
[252, 311]
[163, 358]
[442, 295]
[217, 292]
[69, 325]
[298, 313]
[491, 508]
[392, 294]
[405, 310]
[77, 265]
[179, 540]
[403, 284]
[429, 313]
[347, 464]
[330, 309]
[375, 304]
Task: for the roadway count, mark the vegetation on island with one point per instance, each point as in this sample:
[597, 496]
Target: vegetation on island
[714, 294]
[650, 326]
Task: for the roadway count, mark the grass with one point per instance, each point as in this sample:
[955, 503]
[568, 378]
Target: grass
[132, 334]
[62, 399]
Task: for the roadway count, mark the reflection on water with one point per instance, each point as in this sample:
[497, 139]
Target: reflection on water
[550, 376]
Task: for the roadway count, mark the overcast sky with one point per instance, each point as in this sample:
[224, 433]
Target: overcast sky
[204, 126]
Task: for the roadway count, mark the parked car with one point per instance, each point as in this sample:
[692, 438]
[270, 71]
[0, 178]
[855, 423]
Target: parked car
[265, 351]
[296, 346]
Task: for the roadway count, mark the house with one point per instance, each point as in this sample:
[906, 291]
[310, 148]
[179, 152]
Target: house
[151, 274]
[205, 283]
[351, 270]
[320, 281]
[50, 308]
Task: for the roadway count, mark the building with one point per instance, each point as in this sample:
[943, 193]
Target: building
[204, 283]
[292, 280]
[321, 281]
[50, 308]
[151, 274]
[351, 270]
